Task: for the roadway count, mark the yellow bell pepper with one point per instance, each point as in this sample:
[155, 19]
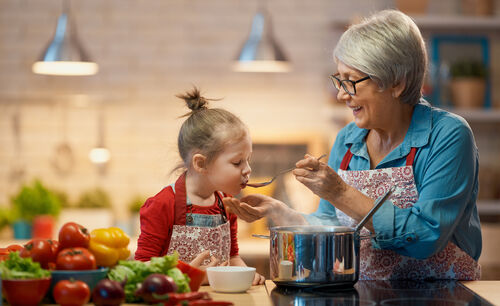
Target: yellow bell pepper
[109, 245]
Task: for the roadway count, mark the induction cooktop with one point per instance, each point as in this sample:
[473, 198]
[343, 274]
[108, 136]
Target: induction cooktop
[415, 293]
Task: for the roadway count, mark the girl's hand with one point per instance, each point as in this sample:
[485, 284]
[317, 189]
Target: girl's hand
[198, 263]
[258, 279]
[319, 178]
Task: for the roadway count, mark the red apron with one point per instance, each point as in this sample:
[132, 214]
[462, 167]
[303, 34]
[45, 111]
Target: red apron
[188, 239]
[450, 263]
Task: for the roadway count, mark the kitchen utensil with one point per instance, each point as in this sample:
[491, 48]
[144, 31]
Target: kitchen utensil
[17, 171]
[25, 291]
[320, 255]
[257, 185]
[230, 278]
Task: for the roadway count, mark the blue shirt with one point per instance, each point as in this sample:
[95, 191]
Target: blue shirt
[446, 175]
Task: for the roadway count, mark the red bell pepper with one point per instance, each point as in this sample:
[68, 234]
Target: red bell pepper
[196, 275]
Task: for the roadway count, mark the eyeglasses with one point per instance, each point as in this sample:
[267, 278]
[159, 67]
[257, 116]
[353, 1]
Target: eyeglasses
[348, 85]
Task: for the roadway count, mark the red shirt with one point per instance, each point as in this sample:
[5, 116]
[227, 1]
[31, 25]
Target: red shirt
[157, 220]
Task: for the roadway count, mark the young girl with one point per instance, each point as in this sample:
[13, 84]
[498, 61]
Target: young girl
[189, 216]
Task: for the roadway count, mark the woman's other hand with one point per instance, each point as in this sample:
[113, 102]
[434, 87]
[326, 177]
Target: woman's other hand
[319, 178]
[250, 208]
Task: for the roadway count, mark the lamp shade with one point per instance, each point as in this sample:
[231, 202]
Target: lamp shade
[64, 54]
[261, 52]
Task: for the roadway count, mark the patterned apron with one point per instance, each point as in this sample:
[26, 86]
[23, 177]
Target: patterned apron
[450, 263]
[195, 233]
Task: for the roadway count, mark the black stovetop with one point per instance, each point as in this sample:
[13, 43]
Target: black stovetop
[380, 293]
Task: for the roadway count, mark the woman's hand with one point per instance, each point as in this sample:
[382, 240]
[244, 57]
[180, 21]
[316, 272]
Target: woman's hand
[319, 178]
[250, 208]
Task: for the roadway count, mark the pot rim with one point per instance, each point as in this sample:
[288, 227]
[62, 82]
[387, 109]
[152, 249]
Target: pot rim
[313, 229]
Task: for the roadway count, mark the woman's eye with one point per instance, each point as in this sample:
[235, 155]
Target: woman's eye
[237, 163]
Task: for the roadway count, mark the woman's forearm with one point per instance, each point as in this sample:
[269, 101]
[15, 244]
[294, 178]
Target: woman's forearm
[281, 214]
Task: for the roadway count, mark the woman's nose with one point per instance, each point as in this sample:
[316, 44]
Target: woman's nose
[343, 95]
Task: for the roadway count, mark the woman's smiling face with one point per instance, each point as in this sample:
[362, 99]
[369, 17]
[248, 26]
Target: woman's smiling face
[370, 106]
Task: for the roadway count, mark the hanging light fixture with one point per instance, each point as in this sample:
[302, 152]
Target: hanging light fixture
[261, 52]
[64, 54]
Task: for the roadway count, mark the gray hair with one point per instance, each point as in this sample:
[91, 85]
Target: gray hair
[389, 47]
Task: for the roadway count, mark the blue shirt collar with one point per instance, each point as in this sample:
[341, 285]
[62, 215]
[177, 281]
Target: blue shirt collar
[418, 134]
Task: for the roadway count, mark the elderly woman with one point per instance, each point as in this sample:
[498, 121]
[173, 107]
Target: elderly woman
[429, 227]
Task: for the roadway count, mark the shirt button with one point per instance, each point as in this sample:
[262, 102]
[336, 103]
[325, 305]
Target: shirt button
[409, 239]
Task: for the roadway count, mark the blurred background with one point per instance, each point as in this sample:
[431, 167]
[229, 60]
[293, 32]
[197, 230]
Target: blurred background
[92, 148]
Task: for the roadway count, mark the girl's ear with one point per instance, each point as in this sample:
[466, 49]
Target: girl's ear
[199, 162]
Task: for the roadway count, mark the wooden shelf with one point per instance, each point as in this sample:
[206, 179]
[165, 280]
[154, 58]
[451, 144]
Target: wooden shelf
[488, 207]
[441, 22]
[473, 115]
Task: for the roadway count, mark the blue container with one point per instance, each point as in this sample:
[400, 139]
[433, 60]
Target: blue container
[91, 277]
[22, 230]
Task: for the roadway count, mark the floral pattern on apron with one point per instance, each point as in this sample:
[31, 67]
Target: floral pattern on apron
[189, 238]
[450, 263]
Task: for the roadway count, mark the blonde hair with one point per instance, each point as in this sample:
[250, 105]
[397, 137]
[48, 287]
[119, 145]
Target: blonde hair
[206, 130]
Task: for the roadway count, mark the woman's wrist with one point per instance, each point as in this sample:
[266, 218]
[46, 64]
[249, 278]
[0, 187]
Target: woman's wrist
[281, 214]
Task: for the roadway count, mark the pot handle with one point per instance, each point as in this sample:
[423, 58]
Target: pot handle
[375, 207]
[261, 236]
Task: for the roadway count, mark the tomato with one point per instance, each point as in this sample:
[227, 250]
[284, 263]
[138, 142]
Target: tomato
[196, 275]
[43, 251]
[72, 235]
[75, 259]
[14, 247]
[71, 293]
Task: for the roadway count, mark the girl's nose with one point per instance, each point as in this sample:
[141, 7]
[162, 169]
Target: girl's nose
[247, 170]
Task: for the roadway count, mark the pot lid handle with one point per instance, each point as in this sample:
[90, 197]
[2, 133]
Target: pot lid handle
[380, 200]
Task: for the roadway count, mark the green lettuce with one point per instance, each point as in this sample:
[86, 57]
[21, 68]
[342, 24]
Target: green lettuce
[134, 272]
[16, 267]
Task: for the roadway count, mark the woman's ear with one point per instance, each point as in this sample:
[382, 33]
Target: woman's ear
[199, 162]
[398, 89]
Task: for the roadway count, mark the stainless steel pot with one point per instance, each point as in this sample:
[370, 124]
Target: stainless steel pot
[308, 255]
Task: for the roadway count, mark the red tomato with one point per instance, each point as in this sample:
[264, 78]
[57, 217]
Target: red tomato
[75, 259]
[72, 235]
[196, 275]
[71, 293]
[43, 251]
[15, 247]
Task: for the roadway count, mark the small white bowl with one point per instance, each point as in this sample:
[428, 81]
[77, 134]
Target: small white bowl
[230, 278]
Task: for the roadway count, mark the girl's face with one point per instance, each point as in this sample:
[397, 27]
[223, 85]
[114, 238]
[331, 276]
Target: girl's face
[230, 170]
[370, 106]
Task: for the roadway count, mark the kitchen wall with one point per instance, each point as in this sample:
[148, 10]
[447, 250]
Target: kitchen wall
[148, 51]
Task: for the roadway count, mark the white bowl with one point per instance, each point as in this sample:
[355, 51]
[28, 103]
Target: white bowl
[230, 278]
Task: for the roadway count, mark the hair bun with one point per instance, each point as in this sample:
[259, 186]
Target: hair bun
[194, 100]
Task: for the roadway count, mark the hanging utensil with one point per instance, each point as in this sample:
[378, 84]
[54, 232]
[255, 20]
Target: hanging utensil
[63, 160]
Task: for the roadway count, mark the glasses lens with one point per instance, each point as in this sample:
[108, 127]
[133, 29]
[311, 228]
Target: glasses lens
[336, 82]
[349, 87]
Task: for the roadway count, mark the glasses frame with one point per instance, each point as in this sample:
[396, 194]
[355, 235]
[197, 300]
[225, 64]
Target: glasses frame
[334, 78]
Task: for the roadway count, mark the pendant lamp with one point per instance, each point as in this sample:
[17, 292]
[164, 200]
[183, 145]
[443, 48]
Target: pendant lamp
[65, 55]
[261, 52]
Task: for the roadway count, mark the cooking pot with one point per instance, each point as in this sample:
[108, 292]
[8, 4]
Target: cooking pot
[308, 255]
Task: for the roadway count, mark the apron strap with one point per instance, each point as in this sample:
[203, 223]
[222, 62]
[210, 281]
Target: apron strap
[181, 207]
[180, 200]
[346, 160]
[410, 158]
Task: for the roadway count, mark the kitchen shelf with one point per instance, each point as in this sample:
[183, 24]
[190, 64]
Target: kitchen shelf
[488, 207]
[482, 115]
[441, 22]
